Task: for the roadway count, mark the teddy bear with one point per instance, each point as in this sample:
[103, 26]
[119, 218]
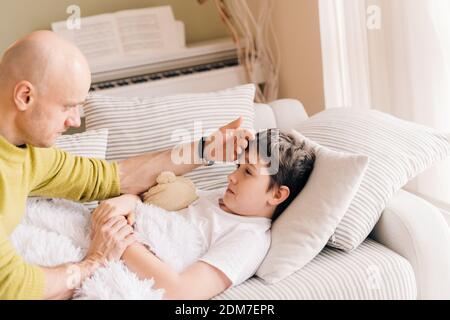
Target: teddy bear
[172, 193]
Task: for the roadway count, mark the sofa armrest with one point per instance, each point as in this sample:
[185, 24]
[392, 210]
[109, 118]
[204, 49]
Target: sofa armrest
[288, 113]
[416, 230]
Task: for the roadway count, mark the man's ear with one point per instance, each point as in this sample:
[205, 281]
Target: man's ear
[23, 95]
[279, 195]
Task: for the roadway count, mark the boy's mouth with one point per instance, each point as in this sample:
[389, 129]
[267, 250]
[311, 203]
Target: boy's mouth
[229, 190]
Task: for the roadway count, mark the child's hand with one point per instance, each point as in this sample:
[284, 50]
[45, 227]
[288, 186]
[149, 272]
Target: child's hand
[131, 218]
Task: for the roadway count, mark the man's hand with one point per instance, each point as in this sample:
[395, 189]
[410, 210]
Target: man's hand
[124, 206]
[226, 144]
[110, 240]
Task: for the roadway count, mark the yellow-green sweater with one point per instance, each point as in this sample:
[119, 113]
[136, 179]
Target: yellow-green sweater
[46, 172]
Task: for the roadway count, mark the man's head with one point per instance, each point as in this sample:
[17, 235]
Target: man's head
[43, 80]
[276, 168]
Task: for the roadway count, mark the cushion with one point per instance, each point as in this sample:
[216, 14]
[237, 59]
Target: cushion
[398, 151]
[371, 272]
[90, 144]
[303, 229]
[139, 125]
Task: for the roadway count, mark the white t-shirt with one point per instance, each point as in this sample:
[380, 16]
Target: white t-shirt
[236, 245]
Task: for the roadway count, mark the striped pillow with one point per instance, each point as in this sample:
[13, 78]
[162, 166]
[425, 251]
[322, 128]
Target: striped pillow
[144, 125]
[89, 144]
[304, 228]
[398, 150]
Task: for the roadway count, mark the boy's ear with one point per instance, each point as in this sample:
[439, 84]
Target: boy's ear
[279, 195]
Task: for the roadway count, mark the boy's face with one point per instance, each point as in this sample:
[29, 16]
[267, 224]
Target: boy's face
[247, 193]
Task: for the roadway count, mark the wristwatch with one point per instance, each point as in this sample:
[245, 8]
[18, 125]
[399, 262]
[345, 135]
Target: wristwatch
[201, 150]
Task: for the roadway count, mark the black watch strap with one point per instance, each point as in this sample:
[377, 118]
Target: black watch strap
[201, 152]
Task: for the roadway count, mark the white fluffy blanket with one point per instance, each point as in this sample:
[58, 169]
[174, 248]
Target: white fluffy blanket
[57, 231]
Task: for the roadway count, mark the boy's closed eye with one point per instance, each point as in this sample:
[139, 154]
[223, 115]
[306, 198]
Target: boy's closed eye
[247, 171]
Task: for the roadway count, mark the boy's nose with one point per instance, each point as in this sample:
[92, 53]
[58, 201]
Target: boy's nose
[232, 178]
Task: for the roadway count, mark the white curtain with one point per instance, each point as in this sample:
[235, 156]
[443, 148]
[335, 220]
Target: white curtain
[393, 56]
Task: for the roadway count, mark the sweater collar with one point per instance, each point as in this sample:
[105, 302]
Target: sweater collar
[10, 152]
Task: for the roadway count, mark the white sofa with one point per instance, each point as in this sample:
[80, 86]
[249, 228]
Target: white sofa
[407, 255]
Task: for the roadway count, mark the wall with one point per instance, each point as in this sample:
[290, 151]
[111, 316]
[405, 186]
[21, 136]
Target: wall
[297, 26]
[296, 23]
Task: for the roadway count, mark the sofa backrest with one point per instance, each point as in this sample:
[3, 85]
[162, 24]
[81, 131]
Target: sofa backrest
[284, 114]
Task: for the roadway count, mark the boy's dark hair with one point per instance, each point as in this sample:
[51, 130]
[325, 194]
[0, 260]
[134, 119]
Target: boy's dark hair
[295, 162]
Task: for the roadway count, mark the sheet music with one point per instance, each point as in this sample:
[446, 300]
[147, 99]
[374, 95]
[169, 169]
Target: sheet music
[127, 33]
[97, 38]
[147, 30]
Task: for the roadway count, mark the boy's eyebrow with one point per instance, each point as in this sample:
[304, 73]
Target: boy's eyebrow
[247, 161]
[253, 167]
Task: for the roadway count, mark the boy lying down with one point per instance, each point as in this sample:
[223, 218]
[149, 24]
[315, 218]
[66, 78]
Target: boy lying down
[231, 227]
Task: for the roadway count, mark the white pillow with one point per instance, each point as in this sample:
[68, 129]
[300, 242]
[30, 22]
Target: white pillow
[398, 150]
[303, 229]
[139, 125]
[89, 144]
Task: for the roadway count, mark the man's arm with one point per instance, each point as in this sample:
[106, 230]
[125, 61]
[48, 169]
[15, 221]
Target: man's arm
[57, 174]
[108, 243]
[61, 281]
[138, 174]
[20, 280]
[200, 281]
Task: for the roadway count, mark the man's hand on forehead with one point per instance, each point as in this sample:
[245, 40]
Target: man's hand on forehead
[228, 142]
[242, 139]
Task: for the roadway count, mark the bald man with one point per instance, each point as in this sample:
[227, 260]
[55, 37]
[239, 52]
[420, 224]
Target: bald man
[43, 82]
